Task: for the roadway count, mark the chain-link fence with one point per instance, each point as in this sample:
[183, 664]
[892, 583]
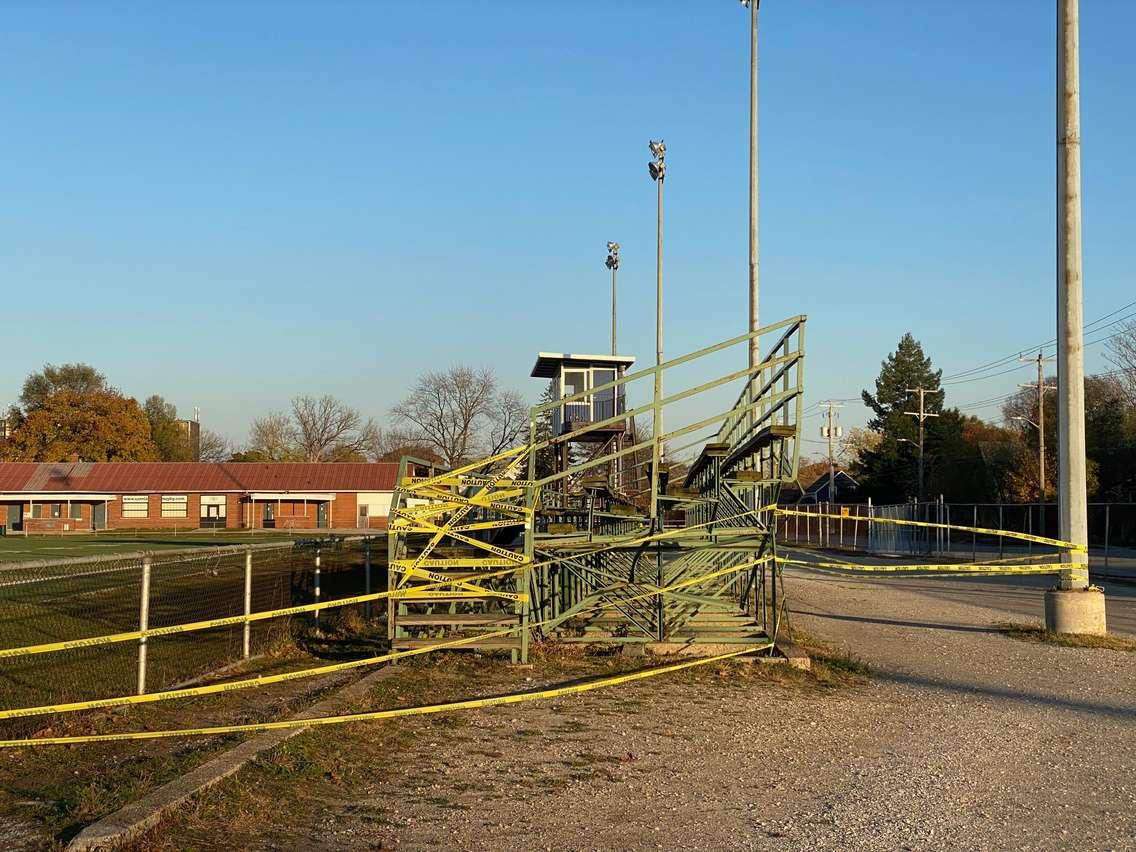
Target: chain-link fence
[1112, 531]
[63, 601]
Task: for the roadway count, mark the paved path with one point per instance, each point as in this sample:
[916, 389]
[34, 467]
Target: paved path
[990, 742]
[1017, 598]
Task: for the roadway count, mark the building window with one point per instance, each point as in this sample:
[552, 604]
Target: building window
[135, 506]
[48, 510]
[174, 505]
[76, 511]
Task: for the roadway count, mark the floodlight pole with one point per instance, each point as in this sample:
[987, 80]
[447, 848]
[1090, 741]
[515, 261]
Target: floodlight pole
[754, 354]
[658, 171]
[612, 263]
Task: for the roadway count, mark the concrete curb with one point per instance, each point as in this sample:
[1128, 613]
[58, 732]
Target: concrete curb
[129, 822]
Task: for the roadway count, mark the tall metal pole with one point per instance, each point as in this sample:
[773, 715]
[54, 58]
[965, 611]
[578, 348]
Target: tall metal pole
[1072, 487]
[754, 355]
[658, 170]
[614, 297]
[612, 263]
[1040, 425]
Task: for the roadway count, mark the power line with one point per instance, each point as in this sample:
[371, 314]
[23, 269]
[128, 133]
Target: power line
[1089, 328]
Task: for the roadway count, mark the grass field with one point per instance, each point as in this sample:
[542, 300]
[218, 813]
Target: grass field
[19, 548]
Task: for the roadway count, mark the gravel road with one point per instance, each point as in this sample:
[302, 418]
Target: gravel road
[962, 739]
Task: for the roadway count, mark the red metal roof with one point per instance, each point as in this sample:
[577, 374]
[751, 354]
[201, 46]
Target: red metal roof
[157, 477]
[316, 476]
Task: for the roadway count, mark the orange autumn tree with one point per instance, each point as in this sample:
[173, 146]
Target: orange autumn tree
[97, 426]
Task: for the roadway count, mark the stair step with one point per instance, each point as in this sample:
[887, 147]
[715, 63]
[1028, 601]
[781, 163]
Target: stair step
[468, 618]
[495, 644]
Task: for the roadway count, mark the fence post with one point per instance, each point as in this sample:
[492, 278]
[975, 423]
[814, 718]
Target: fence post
[143, 623]
[245, 641]
[367, 575]
[868, 527]
[316, 613]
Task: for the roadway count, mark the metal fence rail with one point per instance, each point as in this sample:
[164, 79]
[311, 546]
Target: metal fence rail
[72, 599]
[1112, 531]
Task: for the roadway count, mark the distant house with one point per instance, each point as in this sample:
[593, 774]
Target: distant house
[847, 490]
[75, 496]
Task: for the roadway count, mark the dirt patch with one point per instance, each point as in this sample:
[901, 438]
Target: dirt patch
[378, 784]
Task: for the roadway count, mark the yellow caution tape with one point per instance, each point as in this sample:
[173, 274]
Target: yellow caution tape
[470, 527]
[474, 589]
[1038, 539]
[945, 568]
[456, 562]
[396, 713]
[472, 467]
[497, 483]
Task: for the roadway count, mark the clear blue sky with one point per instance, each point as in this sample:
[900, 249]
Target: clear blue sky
[232, 203]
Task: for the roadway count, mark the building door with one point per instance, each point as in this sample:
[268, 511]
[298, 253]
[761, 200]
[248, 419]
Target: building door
[98, 516]
[15, 516]
[269, 519]
[321, 515]
[364, 511]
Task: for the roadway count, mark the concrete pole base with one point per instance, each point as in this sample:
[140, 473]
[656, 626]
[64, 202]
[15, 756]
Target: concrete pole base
[1075, 611]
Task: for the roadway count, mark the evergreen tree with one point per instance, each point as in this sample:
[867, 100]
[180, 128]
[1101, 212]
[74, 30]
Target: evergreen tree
[888, 473]
[906, 367]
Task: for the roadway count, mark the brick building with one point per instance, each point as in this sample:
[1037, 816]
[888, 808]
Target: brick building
[84, 496]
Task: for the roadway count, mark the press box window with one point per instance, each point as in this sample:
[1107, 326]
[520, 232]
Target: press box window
[135, 506]
[174, 506]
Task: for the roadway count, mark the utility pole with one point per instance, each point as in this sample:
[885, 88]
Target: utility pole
[831, 431]
[1074, 607]
[1072, 490]
[1042, 387]
[754, 355]
[658, 170]
[612, 263]
[922, 414]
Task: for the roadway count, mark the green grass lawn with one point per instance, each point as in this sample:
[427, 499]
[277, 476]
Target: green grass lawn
[16, 547]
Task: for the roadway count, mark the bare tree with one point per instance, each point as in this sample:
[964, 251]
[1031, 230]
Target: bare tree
[463, 413]
[330, 430]
[507, 422]
[1122, 355]
[390, 445]
[273, 437]
[215, 447]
